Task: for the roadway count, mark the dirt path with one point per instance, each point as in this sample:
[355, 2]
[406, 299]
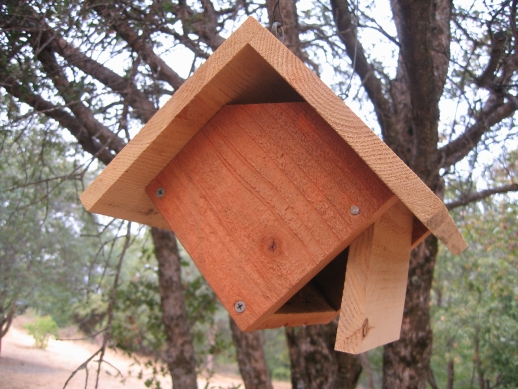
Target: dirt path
[23, 366]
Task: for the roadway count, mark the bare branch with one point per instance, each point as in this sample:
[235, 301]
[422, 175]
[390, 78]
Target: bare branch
[497, 50]
[143, 108]
[109, 12]
[81, 367]
[88, 143]
[457, 149]
[477, 196]
[346, 31]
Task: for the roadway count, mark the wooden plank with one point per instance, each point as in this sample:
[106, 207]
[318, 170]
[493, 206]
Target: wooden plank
[331, 279]
[307, 307]
[427, 207]
[318, 302]
[375, 283]
[234, 74]
[252, 66]
[269, 203]
[419, 233]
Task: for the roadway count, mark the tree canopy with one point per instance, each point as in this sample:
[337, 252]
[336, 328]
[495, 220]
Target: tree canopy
[435, 79]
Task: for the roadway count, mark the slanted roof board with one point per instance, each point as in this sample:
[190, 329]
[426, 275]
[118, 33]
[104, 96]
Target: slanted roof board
[119, 190]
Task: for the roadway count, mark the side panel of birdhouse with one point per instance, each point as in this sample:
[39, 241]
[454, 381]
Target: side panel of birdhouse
[262, 198]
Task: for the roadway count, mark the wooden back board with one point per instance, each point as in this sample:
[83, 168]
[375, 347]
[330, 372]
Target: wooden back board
[261, 199]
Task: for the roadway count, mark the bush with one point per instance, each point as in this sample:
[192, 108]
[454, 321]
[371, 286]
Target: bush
[41, 330]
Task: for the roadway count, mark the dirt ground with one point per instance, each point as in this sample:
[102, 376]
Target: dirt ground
[23, 366]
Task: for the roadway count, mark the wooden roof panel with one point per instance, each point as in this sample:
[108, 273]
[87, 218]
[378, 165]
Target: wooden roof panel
[252, 66]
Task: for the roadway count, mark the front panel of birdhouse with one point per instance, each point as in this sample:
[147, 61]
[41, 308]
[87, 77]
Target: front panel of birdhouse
[261, 199]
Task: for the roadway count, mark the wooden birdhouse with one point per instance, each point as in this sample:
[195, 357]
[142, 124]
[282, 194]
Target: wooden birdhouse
[291, 207]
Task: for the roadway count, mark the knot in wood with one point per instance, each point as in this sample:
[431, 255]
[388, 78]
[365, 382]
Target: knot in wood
[365, 328]
[272, 246]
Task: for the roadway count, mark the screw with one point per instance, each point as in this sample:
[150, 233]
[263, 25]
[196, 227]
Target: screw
[160, 192]
[240, 306]
[355, 210]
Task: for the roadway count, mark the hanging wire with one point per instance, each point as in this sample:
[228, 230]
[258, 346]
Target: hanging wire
[277, 28]
[354, 23]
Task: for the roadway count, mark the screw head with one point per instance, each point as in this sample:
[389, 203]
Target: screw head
[240, 306]
[355, 210]
[160, 192]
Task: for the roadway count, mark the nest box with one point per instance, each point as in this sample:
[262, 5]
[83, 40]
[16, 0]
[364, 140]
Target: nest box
[291, 207]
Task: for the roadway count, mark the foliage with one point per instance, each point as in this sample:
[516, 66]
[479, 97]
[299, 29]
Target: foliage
[137, 323]
[102, 70]
[475, 312]
[276, 353]
[38, 191]
[42, 329]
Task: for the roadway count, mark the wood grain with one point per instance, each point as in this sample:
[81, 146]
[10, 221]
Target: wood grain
[427, 207]
[252, 66]
[419, 233]
[261, 198]
[318, 302]
[307, 307]
[375, 283]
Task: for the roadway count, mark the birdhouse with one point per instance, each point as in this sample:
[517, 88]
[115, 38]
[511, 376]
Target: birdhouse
[291, 207]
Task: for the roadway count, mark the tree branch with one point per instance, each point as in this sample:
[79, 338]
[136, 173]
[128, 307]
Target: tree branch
[346, 31]
[40, 43]
[89, 144]
[208, 29]
[477, 196]
[457, 149]
[497, 50]
[291, 28]
[109, 12]
[142, 107]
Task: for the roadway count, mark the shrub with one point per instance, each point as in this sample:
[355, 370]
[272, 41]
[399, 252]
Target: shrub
[42, 329]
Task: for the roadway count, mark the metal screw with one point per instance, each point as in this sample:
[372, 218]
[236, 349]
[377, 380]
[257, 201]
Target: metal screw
[240, 306]
[160, 192]
[355, 210]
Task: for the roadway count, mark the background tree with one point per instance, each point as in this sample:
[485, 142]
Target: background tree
[474, 303]
[101, 69]
[44, 242]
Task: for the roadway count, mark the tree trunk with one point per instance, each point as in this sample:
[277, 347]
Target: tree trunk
[250, 357]
[451, 374]
[366, 364]
[7, 321]
[406, 361]
[180, 355]
[478, 363]
[314, 362]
